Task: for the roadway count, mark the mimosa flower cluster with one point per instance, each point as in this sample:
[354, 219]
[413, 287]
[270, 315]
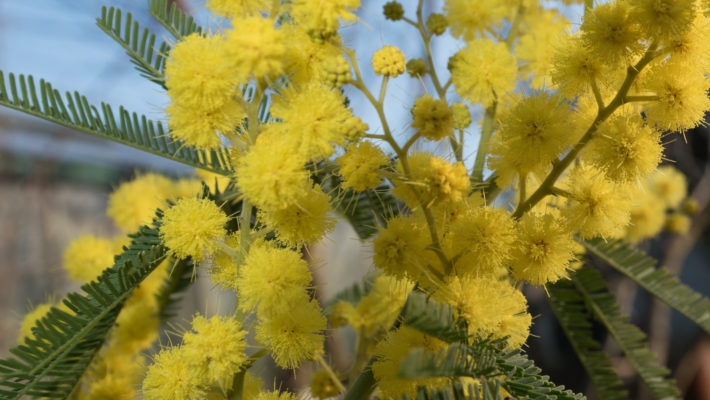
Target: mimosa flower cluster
[572, 127]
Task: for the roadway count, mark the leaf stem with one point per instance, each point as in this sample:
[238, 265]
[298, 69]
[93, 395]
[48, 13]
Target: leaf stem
[331, 373]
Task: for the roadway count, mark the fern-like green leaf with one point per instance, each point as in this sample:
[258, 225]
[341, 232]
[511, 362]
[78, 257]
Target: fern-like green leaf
[486, 390]
[631, 339]
[50, 364]
[74, 111]
[486, 360]
[140, 46]
[433, 318]
[173, 19]
[658, 281]
[571, 311]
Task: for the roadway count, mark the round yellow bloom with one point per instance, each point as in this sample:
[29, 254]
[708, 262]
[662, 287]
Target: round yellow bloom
[692, 49]
[136, 326]
[389, 61]
[224, 267]
[683, 99]
[432, 180]
[432, 118]
[237, 8]
[610, 35]
[322, 386]
[111, 387]
[535, 47]
[490, 306]
[255, 47]
[313, 118]
[216, 349]
[626, 148]
[133, 203]
[677, 223]
[482, 239]
[321, 19]
[172, 377]
[483, 71]
[669, 185]
[544, 249]
[191, 226]
[87, 256]
[294, 334]
[471, 22]
[533, 135]
[271, 175]
[575, 67]
[400, 249]
[389, 354]
[597, 206]
[202, 86]
[30, 320]
[663, 19]
[360, 166]
[305, 59]
[270, 279]
[303, 222]
[647, 216]
[461, 115]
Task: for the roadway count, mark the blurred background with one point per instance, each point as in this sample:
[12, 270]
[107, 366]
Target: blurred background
[54, 182]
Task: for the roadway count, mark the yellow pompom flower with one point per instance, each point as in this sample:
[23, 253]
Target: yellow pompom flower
[313, 118]
[172, 377]
[111, 387]
[693, 48]
[471, 22]
[461, 115]
[136, 326]
[682, 97]
[294, 334]
[87, 256]
[662, 20]
[191, 226]
[483, 71]
[30, 320]
[255, 48]
[543, 250]
[237, 8]
[389, 61]
[597, 206]
[433, 180]
[669, 185]
[303, 222]
[216, 349]
[271, 175]
[389, 354]
[575, 67]
[133, 203]
[224, 268]
[482, 240]
[270, 279]
[400, 249]
[647, 216]
[626, 148]
[306, 59]
[609, 33]
[360, 166]
[535, 47]
[202, 86]
[533, 135]
[677, 222]
[490, 306]
[321, 19]
[433, 118]
[322, 386]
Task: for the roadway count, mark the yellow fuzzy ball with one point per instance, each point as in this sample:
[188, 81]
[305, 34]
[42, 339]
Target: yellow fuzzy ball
[191, 226]
[389, 61]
